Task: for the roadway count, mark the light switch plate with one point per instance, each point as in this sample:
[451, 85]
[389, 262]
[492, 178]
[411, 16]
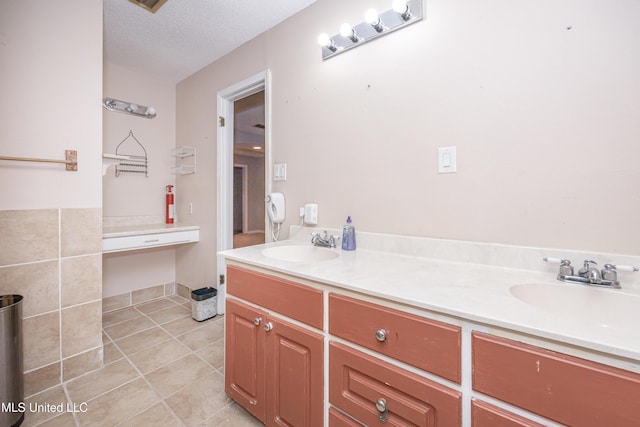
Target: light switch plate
[280, 172]
[447, 162]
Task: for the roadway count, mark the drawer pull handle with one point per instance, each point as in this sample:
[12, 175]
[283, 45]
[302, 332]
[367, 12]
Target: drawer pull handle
[268, 326]
[381, 335]
[152, 241]
[257, 321]
[383, 411]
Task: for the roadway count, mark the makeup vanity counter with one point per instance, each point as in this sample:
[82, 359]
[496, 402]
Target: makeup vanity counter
[143, 236]
[509, 354]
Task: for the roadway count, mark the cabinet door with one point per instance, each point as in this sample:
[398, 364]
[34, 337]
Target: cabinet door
[295, 380]
[245, 357]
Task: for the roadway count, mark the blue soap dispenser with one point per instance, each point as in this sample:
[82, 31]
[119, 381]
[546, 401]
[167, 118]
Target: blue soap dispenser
[348, 236]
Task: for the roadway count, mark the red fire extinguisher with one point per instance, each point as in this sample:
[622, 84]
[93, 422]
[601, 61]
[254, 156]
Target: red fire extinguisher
[170, 206]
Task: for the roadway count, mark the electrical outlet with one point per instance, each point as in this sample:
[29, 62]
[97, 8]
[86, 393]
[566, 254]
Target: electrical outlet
[311, 214]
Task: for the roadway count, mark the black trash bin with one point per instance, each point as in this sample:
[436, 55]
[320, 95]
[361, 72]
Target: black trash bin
[11, 376]
[203, 303]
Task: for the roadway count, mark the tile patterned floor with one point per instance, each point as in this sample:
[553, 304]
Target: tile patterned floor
[161, 368]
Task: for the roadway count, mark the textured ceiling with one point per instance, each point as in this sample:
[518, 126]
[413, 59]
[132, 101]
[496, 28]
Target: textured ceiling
[183, 36]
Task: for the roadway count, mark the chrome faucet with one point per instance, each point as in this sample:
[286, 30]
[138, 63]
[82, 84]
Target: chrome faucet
[589, 275]
[592, 274]
[324, 241]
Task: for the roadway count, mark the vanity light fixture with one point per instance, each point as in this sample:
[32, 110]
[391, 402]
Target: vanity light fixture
[128, 108]
[401, 14]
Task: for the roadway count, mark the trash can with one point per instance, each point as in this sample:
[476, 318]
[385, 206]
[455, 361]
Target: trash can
[11, 375]
[203, 303]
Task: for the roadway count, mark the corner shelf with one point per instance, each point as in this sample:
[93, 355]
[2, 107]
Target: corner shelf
[185, 160]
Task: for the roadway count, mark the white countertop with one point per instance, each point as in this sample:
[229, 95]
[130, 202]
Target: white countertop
[144, 229]
[471, 291]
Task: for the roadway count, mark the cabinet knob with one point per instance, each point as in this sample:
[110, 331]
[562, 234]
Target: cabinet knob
[268, 326]
[257, 321]
[383, 411]
[381, 335]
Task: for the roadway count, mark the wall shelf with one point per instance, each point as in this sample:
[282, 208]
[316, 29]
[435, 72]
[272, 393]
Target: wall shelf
[185, 160]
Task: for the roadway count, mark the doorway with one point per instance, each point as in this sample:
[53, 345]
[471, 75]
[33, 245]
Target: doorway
[249, 166]
[225, 157]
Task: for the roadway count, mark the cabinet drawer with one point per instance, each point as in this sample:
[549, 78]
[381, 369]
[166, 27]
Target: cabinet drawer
[484, 414]
[290, 299]
[338, 419]
[144, 241]
[357, 381]
[564, 388]
[426, 344]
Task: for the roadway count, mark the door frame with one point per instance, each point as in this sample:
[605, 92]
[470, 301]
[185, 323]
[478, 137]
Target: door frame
[225, 100]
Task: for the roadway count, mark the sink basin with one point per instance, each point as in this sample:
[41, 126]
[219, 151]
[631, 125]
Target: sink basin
[300, 253]
[607, 308]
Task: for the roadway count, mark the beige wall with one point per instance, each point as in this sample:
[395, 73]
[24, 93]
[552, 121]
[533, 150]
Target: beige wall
[541, 99]
[51, 219]
[134, 195]
[51, 86]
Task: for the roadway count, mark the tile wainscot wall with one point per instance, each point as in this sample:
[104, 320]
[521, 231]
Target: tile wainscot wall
[53, 258]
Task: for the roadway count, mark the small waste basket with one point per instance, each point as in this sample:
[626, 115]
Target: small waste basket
[203, 303]
[11, 376]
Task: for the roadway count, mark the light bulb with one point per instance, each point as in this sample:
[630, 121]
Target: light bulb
[324, 40]
[150, 111]
[132, 108]
[401, 7]
[346, 30]
[371, 17]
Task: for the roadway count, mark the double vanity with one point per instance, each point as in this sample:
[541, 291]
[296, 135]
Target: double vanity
[414, 331]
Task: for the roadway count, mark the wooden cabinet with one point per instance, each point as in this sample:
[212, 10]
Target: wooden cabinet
[379, 359]
[424, 343]
[373, 391]
[273, 368]
[563, 388]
